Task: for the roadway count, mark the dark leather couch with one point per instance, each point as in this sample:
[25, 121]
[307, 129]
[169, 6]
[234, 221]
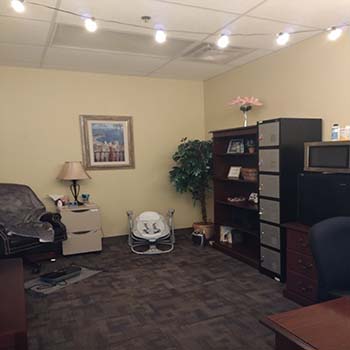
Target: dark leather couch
[25, 225]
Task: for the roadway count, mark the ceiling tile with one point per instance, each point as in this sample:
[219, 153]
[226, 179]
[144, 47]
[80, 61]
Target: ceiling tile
[31, 12]
[78, 37]
[18, 54]
[248, 25]
[317, 13]
[237, 6]
[100, 62]
[168, 15]
[248, 58]
[19, 31]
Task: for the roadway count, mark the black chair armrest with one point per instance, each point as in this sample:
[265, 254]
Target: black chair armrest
[55, 220]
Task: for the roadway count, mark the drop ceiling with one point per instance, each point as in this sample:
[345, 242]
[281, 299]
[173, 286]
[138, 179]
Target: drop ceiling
[42, 38]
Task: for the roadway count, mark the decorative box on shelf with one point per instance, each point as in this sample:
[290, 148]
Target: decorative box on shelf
[84, 231]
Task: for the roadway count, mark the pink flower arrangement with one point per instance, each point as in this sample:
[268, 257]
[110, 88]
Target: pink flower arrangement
[251, 101]
[246, 104]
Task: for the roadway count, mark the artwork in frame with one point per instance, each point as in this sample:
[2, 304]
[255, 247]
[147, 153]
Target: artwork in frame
[107, 142]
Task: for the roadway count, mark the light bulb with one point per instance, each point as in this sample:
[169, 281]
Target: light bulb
[334, 33]
[90, 24]
[18, 5]
[223, 41]
[160, 36]
[282, 38]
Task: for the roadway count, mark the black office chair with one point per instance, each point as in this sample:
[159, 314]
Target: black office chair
[330, 246]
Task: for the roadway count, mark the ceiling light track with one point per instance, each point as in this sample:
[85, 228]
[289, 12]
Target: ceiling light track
[223, 41]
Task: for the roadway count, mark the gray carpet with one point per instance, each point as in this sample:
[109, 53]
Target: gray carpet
[191, 299]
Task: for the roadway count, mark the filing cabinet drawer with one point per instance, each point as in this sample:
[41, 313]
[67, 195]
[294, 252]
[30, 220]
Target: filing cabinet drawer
[270, 235]
[82, 242]
[270, 210]
[269, 186]
[270, 260]
[302, 264]
[299, 242]
[269, 134]
[83, 219]
[269, 160]
[302, 285]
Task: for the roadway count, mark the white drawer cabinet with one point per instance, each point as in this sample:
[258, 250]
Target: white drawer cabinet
[84, 232]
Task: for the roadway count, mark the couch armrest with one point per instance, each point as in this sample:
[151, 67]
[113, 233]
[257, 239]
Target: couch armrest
[55, 220]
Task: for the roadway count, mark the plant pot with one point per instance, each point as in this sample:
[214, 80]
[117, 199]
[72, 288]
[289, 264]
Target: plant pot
[251, 149]
[206, 229]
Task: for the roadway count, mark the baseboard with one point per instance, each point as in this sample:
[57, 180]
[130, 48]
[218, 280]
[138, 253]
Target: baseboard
[183, 231]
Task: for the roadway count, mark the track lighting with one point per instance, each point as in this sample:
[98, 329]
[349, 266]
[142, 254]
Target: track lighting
[282, 38]
[18, 5]
[334, 33]
[90, 24]
[223, 41]
[160, 36]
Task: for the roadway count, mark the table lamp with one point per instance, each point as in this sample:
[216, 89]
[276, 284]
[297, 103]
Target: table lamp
[73, 171]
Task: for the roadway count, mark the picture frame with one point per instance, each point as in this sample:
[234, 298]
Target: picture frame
[235, 146]
[234, 172]
[107, 142]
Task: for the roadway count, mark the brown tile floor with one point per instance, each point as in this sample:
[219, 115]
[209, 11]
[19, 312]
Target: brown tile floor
[190, 299]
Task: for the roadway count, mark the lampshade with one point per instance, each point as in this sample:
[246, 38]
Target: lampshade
[73, 171]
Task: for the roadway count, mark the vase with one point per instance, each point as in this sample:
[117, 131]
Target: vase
[245, 119]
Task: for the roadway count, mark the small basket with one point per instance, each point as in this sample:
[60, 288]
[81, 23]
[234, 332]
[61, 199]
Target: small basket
[249, 174]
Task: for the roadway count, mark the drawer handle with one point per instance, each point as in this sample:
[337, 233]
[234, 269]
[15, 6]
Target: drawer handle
[80, 210]
[84, 232]
[304, 266]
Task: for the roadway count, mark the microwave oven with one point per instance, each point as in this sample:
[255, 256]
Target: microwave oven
[327, 157]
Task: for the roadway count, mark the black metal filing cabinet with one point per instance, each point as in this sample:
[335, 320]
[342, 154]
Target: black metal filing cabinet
[281, 159]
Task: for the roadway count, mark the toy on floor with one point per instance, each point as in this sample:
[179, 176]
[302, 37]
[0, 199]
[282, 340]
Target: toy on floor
[151, 233]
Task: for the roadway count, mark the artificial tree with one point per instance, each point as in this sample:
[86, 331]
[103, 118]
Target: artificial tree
[193, 171]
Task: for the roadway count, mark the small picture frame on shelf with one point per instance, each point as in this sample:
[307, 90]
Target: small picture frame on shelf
[234, 172]
[225, 234]
[235, 146]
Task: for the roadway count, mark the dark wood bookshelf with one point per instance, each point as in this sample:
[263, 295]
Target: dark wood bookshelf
[241, 252]
[240, 205]
[236, 180]
[241, 228]
[236, 154]
[240, 216]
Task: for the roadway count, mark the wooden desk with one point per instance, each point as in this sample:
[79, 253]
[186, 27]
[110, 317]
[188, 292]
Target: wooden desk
[324, 326]
[13, 324]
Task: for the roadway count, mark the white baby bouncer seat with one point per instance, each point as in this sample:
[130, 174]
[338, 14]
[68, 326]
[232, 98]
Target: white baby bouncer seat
[151, 233]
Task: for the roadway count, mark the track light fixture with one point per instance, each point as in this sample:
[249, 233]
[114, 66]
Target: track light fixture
[18, 5]
[334, 33]
[282, 38]
[160, 36]
[90, 24]
[223, 41]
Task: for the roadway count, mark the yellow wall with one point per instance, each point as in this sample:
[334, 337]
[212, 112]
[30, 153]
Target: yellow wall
[310, 79]
[39, 114]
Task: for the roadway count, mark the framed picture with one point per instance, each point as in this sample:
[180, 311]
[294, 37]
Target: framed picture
[236, 146]
[234, 172]
[107, 142]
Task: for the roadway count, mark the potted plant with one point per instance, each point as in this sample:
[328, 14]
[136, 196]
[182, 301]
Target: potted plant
[193, 173]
